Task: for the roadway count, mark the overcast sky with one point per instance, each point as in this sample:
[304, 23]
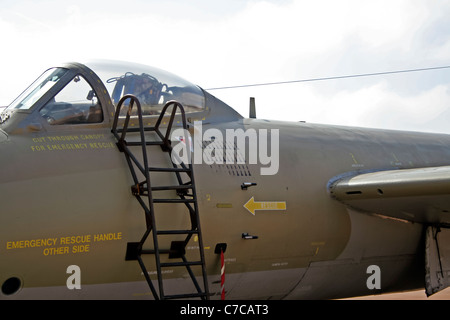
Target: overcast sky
[234, 42]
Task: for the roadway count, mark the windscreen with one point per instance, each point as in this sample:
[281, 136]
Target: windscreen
[34, 92]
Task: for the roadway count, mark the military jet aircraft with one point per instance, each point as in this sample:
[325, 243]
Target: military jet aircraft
[120, 180]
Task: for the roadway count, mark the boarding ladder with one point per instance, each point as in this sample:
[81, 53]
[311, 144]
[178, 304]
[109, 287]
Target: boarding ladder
[146, 195]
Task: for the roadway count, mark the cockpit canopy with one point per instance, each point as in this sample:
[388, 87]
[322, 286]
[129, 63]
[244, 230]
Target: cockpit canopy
[153, 87]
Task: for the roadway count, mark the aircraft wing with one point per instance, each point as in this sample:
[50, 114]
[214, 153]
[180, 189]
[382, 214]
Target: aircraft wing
[418, 195]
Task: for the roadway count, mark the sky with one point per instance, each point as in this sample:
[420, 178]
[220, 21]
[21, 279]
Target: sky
[236, 42]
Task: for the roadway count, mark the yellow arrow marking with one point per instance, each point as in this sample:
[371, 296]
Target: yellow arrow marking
[253, 205]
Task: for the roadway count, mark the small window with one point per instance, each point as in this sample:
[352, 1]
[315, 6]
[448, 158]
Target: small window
[76, 103]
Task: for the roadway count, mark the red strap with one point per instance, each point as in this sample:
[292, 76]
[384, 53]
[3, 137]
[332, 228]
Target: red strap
[222, 275]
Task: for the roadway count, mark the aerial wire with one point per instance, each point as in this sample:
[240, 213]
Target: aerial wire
[330, 78]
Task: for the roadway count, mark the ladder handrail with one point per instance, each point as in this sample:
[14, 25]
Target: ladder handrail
[133, 99]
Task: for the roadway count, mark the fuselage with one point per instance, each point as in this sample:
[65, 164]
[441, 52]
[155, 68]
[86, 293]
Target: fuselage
[66, 200]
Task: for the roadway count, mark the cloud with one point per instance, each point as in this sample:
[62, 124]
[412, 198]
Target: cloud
[375, 106]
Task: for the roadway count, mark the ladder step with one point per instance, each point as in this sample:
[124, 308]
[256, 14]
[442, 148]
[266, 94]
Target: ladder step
[173, 200]
[169, 169]
[147, 143]
[177, 187]
[181, 189]
[186, 295]
[181, 264]
[177, 232]
[136, 129]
